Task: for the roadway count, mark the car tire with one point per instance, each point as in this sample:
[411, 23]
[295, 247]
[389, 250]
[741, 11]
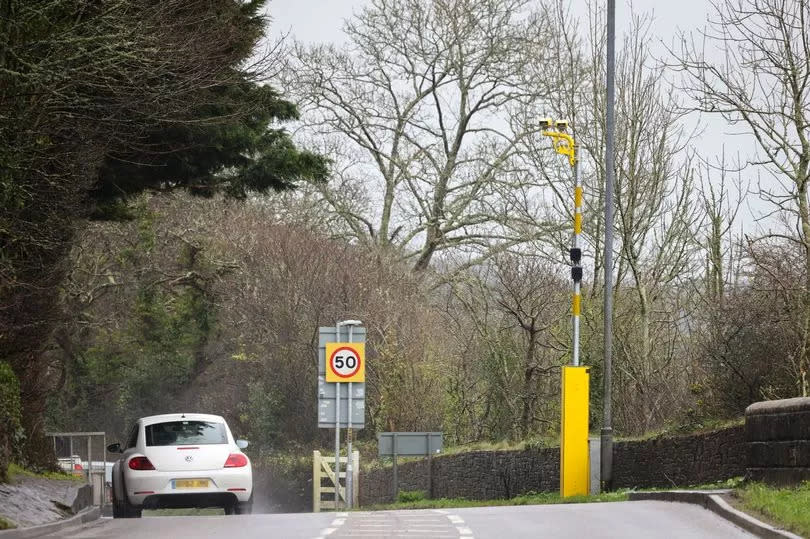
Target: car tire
[244, 508]
[118, 510]
[124, 509]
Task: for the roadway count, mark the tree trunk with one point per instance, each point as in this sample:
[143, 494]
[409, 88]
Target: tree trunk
[529, 395]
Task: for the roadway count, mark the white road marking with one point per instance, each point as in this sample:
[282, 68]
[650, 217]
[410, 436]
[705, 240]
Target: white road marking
[325, 532]
[438, 524]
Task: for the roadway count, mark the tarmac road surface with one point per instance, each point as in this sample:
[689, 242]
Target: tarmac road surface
[642, 519]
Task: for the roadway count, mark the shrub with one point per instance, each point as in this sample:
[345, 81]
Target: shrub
[407, 496]
[10, 417]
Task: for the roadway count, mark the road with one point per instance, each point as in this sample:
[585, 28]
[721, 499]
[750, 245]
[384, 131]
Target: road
[642, 519]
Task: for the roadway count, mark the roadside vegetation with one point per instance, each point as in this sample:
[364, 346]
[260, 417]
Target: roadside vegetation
[788, 508]
[418, 500]
[15, 472]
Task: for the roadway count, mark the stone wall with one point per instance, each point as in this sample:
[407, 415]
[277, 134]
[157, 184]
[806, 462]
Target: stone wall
[778, 441]
[680, 461]
[476, 475]
[482, 475]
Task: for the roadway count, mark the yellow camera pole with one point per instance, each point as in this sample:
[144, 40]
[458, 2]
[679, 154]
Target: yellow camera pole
[574, 457]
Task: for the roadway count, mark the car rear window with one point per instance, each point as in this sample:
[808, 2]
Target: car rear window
[186, 432]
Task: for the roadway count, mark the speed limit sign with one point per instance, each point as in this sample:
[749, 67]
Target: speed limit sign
[345, 362]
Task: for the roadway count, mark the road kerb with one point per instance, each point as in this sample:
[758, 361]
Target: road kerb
[84, 516]
[714, 502]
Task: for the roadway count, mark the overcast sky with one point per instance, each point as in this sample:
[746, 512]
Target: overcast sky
[321, 20]
[313, 21]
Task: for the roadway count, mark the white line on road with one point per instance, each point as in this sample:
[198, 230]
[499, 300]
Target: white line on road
[327, 531]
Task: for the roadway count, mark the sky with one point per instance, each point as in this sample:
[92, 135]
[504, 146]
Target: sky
[321, 21]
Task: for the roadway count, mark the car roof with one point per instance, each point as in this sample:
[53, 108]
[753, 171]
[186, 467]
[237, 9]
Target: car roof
[152, 419]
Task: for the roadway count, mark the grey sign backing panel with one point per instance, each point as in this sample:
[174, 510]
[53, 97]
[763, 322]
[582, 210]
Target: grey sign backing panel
[327, 390]
[409, 444]
[326, 413]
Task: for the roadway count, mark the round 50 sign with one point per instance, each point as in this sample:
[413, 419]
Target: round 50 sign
[345, 362]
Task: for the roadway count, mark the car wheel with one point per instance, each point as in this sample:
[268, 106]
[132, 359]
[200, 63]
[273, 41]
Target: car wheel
[124, 509]
[118, 510]
[245, 508]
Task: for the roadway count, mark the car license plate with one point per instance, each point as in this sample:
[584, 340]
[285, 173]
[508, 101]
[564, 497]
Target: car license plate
[190, 483]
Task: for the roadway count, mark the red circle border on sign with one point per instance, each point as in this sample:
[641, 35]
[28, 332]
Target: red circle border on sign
[356, 354]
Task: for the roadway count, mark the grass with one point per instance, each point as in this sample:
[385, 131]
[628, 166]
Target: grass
[787, 507]
[190, 512]
[731, 483]
[411, 500]
[15, 471]
[702, 427]
[6, 524]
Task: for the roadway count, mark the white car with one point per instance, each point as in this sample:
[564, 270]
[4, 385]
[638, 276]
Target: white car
[181, 460]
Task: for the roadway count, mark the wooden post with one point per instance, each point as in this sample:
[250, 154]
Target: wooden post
[316, 481]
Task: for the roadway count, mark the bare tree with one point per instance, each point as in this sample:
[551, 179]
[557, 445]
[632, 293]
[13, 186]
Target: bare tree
[425, 111]
[535, 300]
[760, 81]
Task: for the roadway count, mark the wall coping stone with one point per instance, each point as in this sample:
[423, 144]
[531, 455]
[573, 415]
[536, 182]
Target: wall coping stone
[797, 404]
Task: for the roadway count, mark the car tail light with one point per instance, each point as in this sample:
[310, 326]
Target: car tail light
[77, 467]
[140, 463]
[236, 460]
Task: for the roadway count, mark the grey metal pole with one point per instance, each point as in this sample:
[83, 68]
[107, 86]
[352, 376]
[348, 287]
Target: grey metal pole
[396, 479]
[337, 431]
[349, 466]
[430, 466]
[90, 460]
[607, 366]
[104, 463]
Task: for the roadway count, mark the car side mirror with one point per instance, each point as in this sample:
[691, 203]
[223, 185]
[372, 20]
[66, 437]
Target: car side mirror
[114, 448]
[242, 444]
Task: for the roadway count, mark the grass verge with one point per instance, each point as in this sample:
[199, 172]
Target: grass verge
[541, 498]
[15, 471]
[190, 512]
[788, 508]
[6, 524]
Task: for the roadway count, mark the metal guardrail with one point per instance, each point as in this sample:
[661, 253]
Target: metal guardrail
[75, 450]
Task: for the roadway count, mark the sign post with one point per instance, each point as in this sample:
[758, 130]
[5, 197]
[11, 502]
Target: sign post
[409, 444]
[349, 468]
[342, 361]
[337, 425]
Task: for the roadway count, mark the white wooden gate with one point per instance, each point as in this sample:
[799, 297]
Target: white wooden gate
[322, 469]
